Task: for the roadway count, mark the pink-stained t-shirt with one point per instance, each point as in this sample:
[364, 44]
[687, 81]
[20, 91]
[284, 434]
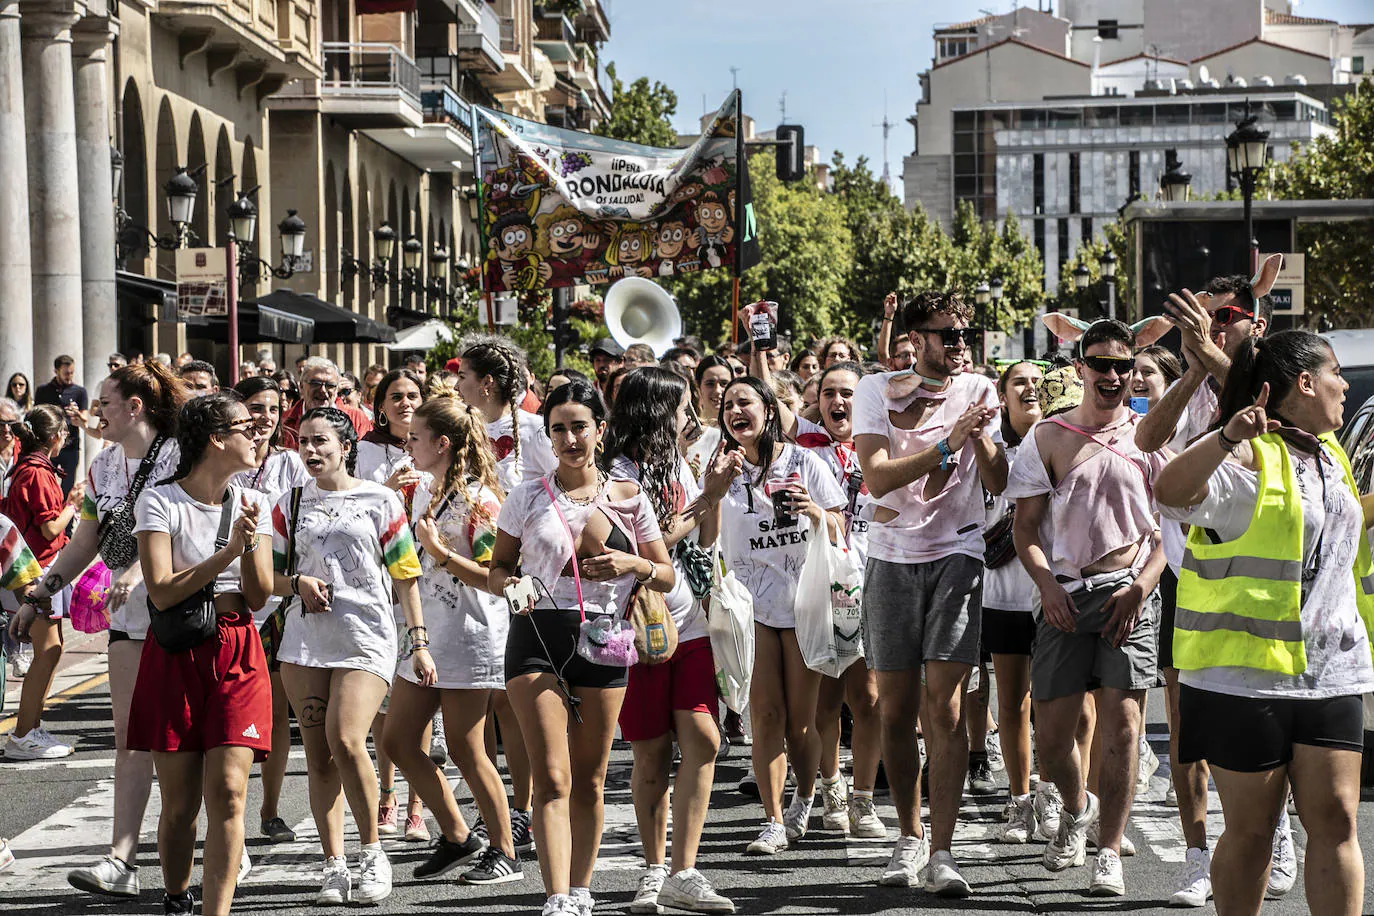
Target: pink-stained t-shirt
[951, 520]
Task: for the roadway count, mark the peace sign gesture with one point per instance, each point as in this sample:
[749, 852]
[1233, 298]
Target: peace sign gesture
[1252, 421]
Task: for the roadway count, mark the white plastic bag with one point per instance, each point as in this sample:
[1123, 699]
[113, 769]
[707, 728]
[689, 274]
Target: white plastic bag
[827, 607]
[730, 624]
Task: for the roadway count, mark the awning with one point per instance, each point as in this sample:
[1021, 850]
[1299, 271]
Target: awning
[332, 324]
[422, 336]
[256, 324]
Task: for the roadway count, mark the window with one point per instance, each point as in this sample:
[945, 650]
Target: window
[1357, 64]
[1107, 29]
[1039, 232]
[1075, 178]
[1086, 231]
[1135, 172]
[1039, 185]
[1063, 243]
[1138, 116]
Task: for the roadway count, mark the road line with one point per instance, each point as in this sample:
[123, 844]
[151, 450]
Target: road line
[92, 680]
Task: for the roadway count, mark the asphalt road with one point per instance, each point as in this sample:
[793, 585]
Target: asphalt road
[57, 816]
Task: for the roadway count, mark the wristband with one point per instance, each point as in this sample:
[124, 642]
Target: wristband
[296, 584]
[653, 568]
[413, 630]
[1226, 442]
[946, 453]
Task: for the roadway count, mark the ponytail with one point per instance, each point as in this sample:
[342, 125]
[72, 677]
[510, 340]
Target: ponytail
[161, 392]
[200, 419]
[39, 427]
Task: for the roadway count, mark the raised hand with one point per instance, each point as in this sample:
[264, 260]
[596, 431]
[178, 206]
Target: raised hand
[1252, 421]
[970, 425]
[243, 537]
[890, 306]
[1193, 321]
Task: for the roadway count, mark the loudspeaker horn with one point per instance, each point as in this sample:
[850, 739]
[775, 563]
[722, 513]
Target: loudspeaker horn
[640, 311]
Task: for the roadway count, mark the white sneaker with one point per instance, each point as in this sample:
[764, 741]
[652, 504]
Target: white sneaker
[560, 905]
[836, 799]
[943, 878]
[1283, 862]
[1127, 847]
[797, 817]
[6, 855]
[689, 890]
[1194, 886]
[245, 866]
[1108, 880]
[646, 898]
[338, 883]
[1021, 824]
[1146, 765]
[36, 745]
[108, 876]
[993, 744]
[910, 856]
[864, 822]
[582, 900]
[771, 839]
[374, 877]
[1049, 806]
[1069, 846]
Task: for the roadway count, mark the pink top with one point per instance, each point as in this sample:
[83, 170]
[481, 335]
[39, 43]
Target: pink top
[1110, 487]
[950, 520]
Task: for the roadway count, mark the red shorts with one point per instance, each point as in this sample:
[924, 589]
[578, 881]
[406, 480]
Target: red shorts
[687, 681]
[216, 695]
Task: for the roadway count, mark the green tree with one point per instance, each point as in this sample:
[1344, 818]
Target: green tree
[1089, 301]
[1340, 260]
[640, 112]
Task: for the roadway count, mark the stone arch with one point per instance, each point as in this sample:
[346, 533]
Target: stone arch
[166, 160]
[329, 237]
[248, 177]
[349, 288]
[225, 192]
[196, 159]
[134, 147]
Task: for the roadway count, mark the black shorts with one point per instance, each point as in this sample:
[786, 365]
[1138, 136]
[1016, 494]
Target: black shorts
[1168, 599]
[1257, 734]
[1007, 632]
[118, 635]
[525, 654]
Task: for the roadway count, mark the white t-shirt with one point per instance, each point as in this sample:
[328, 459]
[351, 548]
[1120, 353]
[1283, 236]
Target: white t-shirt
[950, 521]
[536, 451]
[1337, 646]
[682, 605]
[377, 461]
[279, 472]
[193, 526]
[467, 626]
[1008, 587]
[701, 451]
[766, 556]
[110, 476]
[356, 541]
[843, 461]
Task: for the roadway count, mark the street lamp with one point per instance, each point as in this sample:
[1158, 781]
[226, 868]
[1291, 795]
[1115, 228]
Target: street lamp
[1108, 265]
[1080, 277]
[243, 218]
[181, 193]
[412, 252]
[1174, 184]
[243, 225]
[292, 231]
[1247, 153]
[385, 240]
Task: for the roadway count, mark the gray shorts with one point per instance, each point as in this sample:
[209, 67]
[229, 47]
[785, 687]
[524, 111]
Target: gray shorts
[918, 612]
[1063, 664]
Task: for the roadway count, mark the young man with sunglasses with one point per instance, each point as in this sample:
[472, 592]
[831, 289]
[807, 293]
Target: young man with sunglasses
[1087, 533]
[1213, 324]
[925, 441]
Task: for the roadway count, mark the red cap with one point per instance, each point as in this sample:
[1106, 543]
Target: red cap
[454, 364]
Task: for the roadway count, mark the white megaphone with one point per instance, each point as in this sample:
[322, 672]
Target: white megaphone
[640, 311]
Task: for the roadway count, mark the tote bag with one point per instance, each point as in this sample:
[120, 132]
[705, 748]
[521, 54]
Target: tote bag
[829, 594]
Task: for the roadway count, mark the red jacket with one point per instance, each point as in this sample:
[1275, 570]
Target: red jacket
[361, 424]
[34, 499]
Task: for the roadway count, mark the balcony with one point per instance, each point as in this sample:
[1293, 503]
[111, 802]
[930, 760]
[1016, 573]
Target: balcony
[443, 143]
[365, 85]
[593, 23]
[238, 41]
[555, 36]
[480, 43]
[514, 77]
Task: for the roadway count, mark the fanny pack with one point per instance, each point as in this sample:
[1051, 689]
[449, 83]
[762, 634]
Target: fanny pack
[191, 621]
[118, 546]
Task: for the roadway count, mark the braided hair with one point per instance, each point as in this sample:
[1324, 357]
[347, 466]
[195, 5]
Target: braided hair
[499, 357]
[343, 428]
[472, 461]
[199, 420]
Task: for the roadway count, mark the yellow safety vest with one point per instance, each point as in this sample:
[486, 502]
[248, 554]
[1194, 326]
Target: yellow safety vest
[1239, 602]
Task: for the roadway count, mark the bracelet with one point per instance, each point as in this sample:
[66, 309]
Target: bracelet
[653, 570]
[448, 557]
[946, 453]
[296, 584]
[421, 628]
[1226, 442]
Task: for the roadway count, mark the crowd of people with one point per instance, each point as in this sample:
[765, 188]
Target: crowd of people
[428, 559]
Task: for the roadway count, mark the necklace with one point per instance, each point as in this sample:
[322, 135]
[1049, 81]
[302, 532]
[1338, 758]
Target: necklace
[582, 500]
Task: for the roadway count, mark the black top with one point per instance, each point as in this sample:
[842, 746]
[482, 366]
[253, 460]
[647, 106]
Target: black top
[54, 392]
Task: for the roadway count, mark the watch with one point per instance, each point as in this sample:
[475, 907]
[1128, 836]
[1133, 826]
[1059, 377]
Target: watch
[946, 453]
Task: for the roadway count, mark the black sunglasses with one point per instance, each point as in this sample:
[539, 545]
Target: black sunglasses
[951, 337]
[1123, 365]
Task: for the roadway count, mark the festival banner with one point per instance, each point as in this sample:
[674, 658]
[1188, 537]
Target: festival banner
[560, 207]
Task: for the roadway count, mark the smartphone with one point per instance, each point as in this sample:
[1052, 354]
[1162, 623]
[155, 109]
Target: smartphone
[519, 595]
[1140, 405]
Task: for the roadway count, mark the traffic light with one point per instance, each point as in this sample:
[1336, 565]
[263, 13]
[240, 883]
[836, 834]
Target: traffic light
[791, 152]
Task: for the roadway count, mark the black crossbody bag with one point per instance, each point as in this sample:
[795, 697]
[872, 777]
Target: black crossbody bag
[118, 546]
[191, 621]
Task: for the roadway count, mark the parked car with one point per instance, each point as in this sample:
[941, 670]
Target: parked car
[1358, 441]
[1355, 352]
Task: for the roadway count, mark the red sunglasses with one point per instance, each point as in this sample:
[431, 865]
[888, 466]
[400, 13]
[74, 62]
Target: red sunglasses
[1226, 315]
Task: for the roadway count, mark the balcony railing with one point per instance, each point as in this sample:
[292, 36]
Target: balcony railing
[508, 43]
[555, 27]
[603, 80]
[442, 105]
[367, 67]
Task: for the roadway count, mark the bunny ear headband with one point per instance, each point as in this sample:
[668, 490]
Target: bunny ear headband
[1068, 328]
[1263, 280]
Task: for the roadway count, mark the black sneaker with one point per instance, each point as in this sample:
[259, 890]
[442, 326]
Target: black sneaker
[520, 830]
[277, 831]
[980, 780]
[448, 855]
[183, 904]
[494, 867]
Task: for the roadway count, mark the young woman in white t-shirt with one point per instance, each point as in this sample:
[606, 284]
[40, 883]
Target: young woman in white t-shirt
[138, 416]
[675, 699]
[205, 713]
[615, 543]
[779, 497]
[382, 458]
[456, 527]
[279, 469]
[492, 376]
[713, 374]
[352, 551]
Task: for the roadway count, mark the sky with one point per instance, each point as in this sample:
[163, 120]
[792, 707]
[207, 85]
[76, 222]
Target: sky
[843, 64]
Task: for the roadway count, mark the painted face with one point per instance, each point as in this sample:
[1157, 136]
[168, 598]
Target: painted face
[1108, 386]
[1022, 403]
[743, 413]
[320, 448]
[1148, 381]
[836, 403]
[565, 237]
[513, 243]
[575, 434]
[711, 216]
[712, 386]
[670, 240]
[429, 452]
[632, 249]
[402, 398]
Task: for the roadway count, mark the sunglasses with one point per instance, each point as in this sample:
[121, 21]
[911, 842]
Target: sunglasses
[951, 337]
[345, 392]
[1230, 314]
[1122, 365]
[326, 386]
